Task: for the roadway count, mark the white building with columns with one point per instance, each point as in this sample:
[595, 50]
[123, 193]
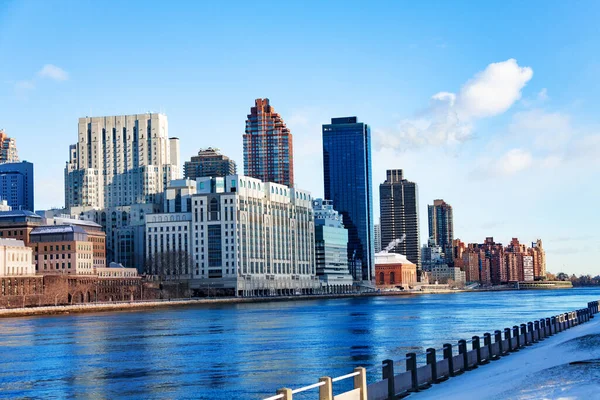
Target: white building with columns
[252, 238]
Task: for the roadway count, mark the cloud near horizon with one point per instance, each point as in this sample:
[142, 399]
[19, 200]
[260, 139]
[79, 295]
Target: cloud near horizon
[450, 117]
[53, 72]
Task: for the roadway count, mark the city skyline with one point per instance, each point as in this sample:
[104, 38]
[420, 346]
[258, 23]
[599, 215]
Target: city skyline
[538, 131]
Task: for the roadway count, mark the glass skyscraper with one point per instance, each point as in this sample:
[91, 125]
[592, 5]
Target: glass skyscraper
[348, 184]
[441, 226]
[16, 185]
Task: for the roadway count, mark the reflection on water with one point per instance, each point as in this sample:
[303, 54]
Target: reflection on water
[246, 351]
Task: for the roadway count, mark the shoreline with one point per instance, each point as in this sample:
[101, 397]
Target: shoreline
[149, 304]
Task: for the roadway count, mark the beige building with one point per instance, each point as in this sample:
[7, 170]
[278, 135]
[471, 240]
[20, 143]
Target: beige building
[62, 249]
[16, 259]
[8, 149]
[116, 173]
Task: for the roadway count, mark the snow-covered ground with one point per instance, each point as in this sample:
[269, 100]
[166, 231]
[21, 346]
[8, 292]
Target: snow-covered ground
[564, 366]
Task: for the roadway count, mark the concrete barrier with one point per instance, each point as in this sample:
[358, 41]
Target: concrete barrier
[415, 378]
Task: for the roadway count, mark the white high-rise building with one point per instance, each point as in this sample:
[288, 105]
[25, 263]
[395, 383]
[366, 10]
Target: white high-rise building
[252, 237]
[117, 173]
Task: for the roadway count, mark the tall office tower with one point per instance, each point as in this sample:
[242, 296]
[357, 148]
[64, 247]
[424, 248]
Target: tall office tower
[399, 206]
[268, 150]
[8, 149]
[117, 173]
[348, 184]
[377, 237]
[209, 163]
[16, 185]
[331, 248]
[441, 227]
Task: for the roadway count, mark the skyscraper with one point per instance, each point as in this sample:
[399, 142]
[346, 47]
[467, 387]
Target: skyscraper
[331, 248]
[441, 226]
[268, 150]
[116, 173]
[16, 185]
[348, 183]
[399, 207]
[377, 236]
[209, 163]
[8, 149]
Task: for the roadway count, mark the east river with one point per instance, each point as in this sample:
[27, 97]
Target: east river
[246, 351]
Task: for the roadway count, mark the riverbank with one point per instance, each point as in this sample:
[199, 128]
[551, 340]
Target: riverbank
[566, 366]
[148, 304]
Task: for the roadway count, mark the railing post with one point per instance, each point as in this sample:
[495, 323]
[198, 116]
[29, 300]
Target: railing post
[432, 362]
[287, 393]
[388, 373]
[498, 337]
[476, 345]
[411, 365]
[549, 326]
[530, 329]
[448, 356]
[507, 336]
[524, 333]
[487, 341]
[462, 349]
[360, 382]
[517, 336]
[326, 391]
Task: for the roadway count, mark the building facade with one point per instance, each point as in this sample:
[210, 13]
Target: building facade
[62, 249]
[8, 149]
[377, 236]
[331, 248]
[16, 259]
[18, 224]
[441, 226]
[116, 173]
[394, 270]
[252, 238]
[16, 185]
[209, 163]
[399, 207]
[348, 184]
[268, 148]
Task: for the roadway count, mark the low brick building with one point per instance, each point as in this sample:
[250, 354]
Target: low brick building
[393, 270]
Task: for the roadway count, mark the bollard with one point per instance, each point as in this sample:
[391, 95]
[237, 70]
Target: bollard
[507, 336]
[387, 369]
[517, 336]
[554, 325]
[549, 327]
[498, 337]
[287, 393]
[531, 331]
[487, 341]
[462, 349]
[360, 382]
[432, 362]
[524, 333]
[326, 391]
[448, 356]
[411, 365]
[538, 326]
[476, 345]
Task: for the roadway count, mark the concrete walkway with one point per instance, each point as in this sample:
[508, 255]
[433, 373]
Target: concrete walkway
[564, 366]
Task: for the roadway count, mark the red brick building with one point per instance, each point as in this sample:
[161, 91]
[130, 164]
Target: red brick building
[393, 270]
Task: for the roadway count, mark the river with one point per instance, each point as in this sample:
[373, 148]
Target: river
[247, 351]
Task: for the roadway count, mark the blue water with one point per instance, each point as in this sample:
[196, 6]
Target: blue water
[246, 351]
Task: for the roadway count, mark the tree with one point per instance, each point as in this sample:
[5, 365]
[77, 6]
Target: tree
[561, 276]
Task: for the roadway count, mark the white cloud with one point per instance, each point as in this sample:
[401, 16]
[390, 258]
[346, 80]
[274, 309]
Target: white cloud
[549, 130]
[543, 95]
[494, 90]
[53, 72]
[450, 118]
[514, 161]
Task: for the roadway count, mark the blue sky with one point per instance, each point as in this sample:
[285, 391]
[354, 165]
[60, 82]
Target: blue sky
[491, 106]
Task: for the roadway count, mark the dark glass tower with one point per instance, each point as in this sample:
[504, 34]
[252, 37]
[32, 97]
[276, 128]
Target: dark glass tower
[348, 183]
[441, 226]
[399, 207]
[16, 185]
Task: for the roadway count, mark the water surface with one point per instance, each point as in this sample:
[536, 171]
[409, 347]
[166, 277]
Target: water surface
[246, 351]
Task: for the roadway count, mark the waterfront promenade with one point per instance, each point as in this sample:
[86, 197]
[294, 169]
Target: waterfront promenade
[566, 365]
